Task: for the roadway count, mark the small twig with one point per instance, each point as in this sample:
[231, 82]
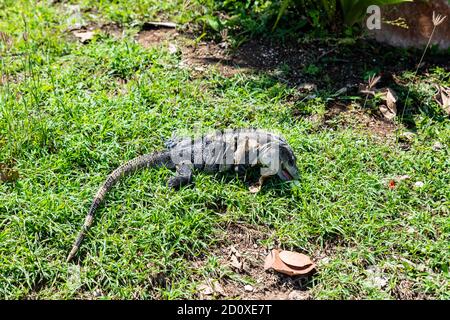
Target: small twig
[325, 54]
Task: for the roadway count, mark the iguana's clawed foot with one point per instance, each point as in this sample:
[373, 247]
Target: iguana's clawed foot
[256, 187]
[183, 177]
[178, 181]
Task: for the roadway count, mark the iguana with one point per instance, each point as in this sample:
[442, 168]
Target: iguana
[238, 150]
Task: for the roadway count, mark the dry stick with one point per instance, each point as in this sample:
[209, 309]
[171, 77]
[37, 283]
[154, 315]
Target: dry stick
[437, 20]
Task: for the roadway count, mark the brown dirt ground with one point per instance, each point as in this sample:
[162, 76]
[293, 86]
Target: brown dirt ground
[342, 114]
[243, 241]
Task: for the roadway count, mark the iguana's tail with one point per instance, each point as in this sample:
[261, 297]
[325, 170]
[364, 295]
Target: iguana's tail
[156, 159]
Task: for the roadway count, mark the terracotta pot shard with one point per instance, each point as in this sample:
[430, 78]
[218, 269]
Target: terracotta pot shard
[300, 263]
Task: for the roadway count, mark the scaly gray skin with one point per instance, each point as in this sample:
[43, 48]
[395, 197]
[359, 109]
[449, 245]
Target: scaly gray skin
[238, 149]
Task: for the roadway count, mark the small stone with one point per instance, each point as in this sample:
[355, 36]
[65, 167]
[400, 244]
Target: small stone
[172, 48]
[97, 293]
[248, 288]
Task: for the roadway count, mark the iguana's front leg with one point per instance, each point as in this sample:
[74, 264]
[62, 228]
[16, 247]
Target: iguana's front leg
[182, 178]
[256, 187]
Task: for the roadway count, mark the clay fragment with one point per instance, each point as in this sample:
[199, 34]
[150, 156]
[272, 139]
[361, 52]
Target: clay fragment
[273, 261]
[295, 259]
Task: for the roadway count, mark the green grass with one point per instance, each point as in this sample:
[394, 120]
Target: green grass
[70, 113]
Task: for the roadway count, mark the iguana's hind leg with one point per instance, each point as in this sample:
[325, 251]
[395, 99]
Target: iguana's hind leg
[182, 178]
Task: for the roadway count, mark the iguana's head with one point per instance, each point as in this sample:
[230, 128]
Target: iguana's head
[287, 168]
[277, 158]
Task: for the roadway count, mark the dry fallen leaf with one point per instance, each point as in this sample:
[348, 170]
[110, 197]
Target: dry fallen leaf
[396, 179]
[407, 136]
[235, 263]
[375, 277]
[84, 35]
[211, 287]
[389, 108]
[219, 289]
[8, 174]
[307, 87]
[235, 251]
[269, 261]
[205, 289]
[443, 98]
[299, 295]
[339, 92]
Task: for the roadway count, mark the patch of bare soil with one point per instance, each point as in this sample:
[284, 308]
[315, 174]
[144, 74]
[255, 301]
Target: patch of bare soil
[240, 251]
[113, 30]
[85, 33]
[151, 37]
[8, 173]
[196, 55]
[211, 54]
[341, 114]
[404, 290]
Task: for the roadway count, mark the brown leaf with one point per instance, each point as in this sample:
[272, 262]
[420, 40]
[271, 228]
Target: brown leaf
[205, 289]
[219, 289]
[8, 174]
[235, 263]
[389, 108]
[211, 287]
[443, 98]
[235, 252]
